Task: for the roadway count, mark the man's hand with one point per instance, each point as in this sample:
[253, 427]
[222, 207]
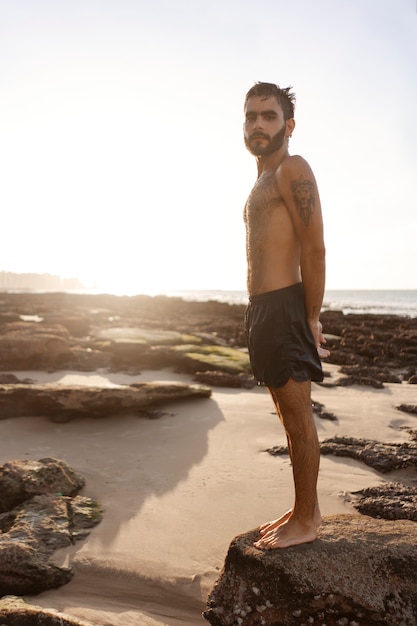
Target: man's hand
[317, 330]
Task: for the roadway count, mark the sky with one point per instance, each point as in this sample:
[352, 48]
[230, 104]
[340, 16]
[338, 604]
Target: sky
[121, 146]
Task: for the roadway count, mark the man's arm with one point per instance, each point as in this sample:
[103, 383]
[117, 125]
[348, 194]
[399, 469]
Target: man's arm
[299, 191]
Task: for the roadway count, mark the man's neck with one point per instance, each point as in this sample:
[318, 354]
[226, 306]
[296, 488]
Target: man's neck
[272, 161]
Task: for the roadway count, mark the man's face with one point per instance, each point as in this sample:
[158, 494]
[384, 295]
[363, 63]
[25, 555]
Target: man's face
[264, 127]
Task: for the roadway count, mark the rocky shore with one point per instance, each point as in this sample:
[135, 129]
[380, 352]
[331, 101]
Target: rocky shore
[86, 332]
[205, 342]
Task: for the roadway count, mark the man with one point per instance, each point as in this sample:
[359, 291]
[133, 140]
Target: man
[286, 273]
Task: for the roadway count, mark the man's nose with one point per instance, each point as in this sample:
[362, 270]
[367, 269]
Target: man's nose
[258, 122]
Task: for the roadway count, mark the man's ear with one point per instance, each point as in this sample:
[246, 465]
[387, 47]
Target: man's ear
[290, 126]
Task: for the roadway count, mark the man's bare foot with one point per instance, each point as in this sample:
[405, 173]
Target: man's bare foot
[289, 533]
[277, 522]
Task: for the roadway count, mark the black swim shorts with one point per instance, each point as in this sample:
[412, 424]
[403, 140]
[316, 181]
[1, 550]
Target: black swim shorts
[280, 341]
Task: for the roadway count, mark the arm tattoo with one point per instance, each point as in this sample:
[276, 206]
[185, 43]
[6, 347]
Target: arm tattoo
[303, 194]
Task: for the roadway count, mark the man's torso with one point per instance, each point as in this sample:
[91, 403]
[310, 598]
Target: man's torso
[273, 250]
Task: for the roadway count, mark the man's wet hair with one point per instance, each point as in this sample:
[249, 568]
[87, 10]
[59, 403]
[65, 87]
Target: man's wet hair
[284, 97]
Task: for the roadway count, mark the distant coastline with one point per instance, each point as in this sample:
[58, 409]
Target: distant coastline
[28, 281]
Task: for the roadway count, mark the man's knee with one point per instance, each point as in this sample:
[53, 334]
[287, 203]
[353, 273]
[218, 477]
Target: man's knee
[294, 406]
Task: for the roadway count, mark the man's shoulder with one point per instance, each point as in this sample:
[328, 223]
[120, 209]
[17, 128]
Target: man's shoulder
[292, 165]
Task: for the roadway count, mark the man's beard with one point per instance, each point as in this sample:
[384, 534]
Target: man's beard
[275, 143]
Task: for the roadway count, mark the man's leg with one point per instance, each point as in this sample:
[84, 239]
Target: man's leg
[299, 525]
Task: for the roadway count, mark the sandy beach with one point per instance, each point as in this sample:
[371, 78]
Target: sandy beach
[176, 490]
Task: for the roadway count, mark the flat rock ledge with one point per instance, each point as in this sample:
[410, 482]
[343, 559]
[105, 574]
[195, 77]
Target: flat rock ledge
[359, 572]
[15, 612]
[385, 457]
[62, 402]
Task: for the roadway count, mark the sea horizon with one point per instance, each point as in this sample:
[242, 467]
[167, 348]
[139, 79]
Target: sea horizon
[361, 301]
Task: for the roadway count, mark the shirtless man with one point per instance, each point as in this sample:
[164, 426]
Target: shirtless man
[286, 271]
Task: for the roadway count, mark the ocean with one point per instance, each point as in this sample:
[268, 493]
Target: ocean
[377, 302]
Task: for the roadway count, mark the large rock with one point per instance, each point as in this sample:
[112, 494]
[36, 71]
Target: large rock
[388, 501]
[76, 325]
[21, 480]
[40, 524]
[359, 571]
[28, 346]
[34, 345]
[61, 402]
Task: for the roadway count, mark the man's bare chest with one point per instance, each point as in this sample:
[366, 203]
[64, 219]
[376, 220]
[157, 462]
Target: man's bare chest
[264, 197]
